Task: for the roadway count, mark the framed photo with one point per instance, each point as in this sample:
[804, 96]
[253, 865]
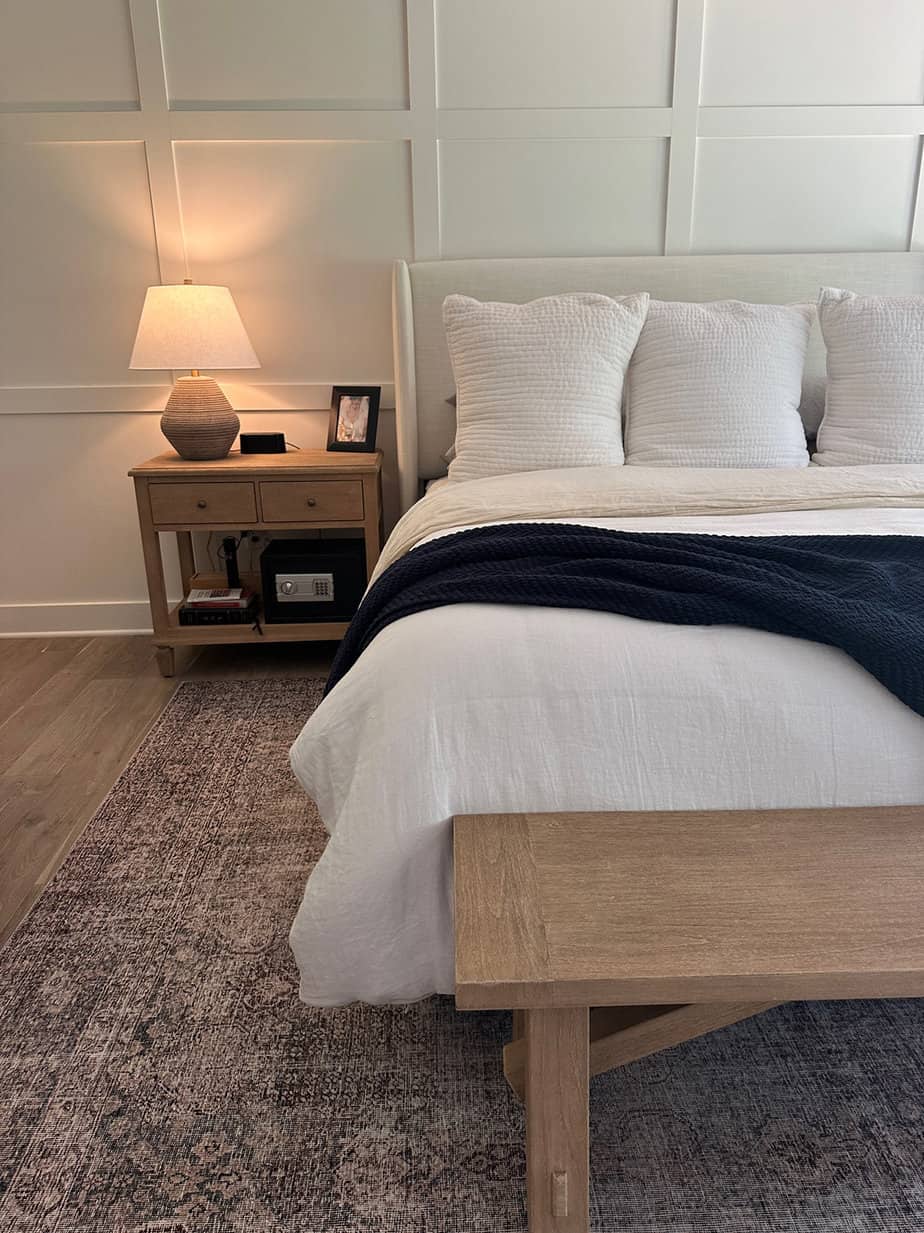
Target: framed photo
[354, 415]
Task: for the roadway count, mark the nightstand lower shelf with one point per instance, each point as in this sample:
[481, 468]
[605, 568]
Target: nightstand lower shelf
[206, 635]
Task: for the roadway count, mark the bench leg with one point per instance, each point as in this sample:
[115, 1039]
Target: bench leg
[557, 1120]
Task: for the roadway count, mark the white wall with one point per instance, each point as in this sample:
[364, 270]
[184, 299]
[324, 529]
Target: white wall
[292, 148]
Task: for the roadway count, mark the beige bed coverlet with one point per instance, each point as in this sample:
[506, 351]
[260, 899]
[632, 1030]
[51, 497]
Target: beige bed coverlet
[631, 492]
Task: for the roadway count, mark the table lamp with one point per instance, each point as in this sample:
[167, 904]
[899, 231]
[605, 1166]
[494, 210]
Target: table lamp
[190, 326]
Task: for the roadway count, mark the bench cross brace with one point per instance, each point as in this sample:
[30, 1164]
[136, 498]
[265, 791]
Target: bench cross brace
[623, 1034]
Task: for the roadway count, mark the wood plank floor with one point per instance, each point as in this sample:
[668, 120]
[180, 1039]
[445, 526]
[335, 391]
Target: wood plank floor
[72, 713]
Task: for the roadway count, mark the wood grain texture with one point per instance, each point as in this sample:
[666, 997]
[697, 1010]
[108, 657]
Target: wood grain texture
[724, 906]
[28, 663]
[311, 500]
[169, 465]
[708, 917]
[153, 561]
[74, 711]
[231, 635]
[663, 1031]
[619, 1035]
[557, 1120]
[605, 1022]
[212, 501]
[623, 1034]
[60, 752]
[187, 556]
[303, 489]
[496, 894]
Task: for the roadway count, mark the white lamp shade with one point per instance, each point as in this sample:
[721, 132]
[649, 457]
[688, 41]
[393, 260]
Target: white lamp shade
[189, 326]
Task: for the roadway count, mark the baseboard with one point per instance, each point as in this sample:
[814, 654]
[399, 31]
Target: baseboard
[51, 620]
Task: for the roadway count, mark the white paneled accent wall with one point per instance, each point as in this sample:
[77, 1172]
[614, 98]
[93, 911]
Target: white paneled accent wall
[571, 196]
[292, 148]
[554, 54]
[285, 53]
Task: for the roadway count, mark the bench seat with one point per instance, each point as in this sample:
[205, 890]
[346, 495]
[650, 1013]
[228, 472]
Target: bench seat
[613, 935]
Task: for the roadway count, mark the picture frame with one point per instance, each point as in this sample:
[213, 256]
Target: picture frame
[354, 417]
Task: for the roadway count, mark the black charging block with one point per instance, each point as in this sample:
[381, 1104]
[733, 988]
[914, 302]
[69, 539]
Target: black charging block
[263, 442]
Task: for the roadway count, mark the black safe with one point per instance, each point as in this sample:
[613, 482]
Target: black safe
[312, 579]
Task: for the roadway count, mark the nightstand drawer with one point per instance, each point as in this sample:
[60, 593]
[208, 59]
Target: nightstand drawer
[312, 500]
[203, 502]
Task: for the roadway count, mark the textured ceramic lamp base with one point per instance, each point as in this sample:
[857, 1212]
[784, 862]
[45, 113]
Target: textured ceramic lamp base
[198, 420]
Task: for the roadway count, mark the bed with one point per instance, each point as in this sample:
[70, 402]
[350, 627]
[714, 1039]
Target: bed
[478, 708]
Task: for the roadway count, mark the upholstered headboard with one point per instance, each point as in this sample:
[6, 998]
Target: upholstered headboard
[423, 374]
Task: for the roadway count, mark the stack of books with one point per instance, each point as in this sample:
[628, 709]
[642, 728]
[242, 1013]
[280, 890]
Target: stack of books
[219, 606]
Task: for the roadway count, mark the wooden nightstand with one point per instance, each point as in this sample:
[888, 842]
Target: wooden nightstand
[306, 490]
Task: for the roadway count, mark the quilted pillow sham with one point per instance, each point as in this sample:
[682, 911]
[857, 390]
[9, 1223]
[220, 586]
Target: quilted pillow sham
[874, 401]
[539, 385]
[718, 385]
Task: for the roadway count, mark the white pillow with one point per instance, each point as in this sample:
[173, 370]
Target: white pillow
[874, 402]
[539, 385]
[718, 385]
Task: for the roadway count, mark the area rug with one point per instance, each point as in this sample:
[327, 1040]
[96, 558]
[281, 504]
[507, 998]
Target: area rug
[159, 1075]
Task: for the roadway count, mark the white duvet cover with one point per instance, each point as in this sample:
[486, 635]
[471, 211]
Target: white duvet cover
[482, 708]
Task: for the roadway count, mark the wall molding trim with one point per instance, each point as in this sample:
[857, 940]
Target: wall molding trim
[320, 124]
[90, 618]
[685, 101]
[150, 399]
[162, 124]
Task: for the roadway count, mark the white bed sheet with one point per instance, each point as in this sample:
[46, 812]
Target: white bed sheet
[482, 708]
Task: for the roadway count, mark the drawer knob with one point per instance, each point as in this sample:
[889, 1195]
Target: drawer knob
[312, 502]
[201, 503]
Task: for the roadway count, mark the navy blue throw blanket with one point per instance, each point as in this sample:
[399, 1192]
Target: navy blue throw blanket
[861, 593]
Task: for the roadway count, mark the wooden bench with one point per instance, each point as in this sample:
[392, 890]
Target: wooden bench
[614, 935]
